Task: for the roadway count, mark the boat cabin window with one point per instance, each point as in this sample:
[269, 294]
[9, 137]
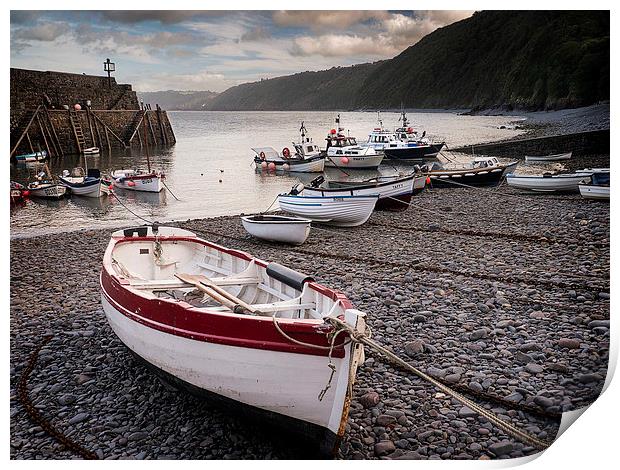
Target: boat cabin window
[338, 152]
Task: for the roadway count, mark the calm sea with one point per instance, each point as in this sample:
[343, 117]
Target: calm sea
[211, 171]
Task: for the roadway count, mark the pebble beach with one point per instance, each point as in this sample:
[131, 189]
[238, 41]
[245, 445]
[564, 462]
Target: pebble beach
[496, 292]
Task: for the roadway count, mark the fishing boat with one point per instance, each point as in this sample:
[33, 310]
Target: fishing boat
[394, 192]
[598, 187]
[18, 192]
[341, 211]
[255, 336]
[31, 157]
[137, 179]
[306, 157]
[91, 151]
[45, 185]
[344, 152]
[549, 182]
[277, 228]
[482, 171]
[413, 146]
[88, 184]
[549, 158]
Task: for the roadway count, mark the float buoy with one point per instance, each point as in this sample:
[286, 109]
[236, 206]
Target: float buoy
[428, 180]
[77, 107]
[263, 165]
[131, 184]
[345, 160]
[333, 131]
[25, 193]
[271, 166]
[262, 155]
[286, 167]
[286, 153]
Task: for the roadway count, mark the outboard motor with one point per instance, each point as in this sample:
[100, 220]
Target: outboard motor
[295, 190]
[317, 182]
[65, 173]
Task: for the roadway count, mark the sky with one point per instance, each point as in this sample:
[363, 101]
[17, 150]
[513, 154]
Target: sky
[213, 50]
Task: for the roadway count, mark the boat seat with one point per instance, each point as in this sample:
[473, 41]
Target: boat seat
[166, 284]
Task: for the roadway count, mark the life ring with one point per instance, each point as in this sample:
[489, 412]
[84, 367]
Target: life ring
[286, 153]
[262, 156]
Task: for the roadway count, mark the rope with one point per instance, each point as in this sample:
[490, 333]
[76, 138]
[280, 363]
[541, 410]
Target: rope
[37, 417]
[506, 427]
[130, 211]
[169, 190]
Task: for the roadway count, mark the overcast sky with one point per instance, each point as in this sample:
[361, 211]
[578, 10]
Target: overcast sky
[203, 50]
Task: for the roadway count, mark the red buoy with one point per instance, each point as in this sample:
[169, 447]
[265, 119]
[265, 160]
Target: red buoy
[428, 180]
[333, 131]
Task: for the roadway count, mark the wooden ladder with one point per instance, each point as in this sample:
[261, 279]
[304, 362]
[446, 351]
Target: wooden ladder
[21, 131]
[77, 130]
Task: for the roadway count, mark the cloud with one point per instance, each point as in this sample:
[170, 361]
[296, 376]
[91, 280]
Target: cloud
[321, 20]
[24, 16]
[255, 34]
[333, 45]
[163, 16]
[40, 32]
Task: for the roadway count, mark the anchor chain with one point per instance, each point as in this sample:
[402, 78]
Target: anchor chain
[37, 417]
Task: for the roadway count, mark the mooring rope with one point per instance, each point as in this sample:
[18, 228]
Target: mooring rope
[150, 222]
[506, 427]
[169, 190]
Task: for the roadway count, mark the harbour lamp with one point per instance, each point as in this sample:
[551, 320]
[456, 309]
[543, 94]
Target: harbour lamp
[109, 67]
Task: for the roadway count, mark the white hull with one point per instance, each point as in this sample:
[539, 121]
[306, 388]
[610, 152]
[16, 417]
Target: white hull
[281, 382]
[94, 190]
[398, 188]
[343, 211]
[91, 151]
[594, 192]
[549, 158]
[354, 161]
[590, 171]
[55, 191]
[279, 229]
[125, 179]
[315, 166]
[554, 183]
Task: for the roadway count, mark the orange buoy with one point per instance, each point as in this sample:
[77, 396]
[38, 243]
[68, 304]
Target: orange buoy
[428, 180]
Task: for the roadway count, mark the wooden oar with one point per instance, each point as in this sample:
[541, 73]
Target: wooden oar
[214, 291]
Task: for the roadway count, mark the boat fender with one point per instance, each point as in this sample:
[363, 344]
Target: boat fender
[139, 231]
[286, 153]
[291, 278]
[262, 155]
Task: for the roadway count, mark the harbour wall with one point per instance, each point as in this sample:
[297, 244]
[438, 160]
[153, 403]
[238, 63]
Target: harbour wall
[110, 117]
[580, 143]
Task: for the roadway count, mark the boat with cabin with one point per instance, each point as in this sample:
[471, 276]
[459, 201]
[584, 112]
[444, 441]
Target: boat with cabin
[395, 192]
[482, 171]
[258, 338]
[343, 151]
[418, 147]
[306, 157]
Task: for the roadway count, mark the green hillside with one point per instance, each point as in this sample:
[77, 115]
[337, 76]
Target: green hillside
[520, 59]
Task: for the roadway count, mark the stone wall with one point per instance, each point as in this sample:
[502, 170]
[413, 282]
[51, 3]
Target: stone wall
[121, 127]
[30, 88]
[580, 143]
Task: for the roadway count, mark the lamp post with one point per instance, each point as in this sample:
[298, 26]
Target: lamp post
[109, 67]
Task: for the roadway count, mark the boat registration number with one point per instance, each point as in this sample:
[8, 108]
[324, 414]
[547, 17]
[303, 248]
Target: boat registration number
[147, 181]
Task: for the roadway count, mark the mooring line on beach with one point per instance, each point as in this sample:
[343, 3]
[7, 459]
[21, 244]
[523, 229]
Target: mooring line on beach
[150, 222]
[169, 190]
[424, 267]
[508, 428]
[37, 417]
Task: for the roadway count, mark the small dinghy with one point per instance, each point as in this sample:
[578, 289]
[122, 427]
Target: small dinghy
[91, 151]
[394, 192]
[89, 185]
[18, 192]
[45, 186]
[598, 188]
[549, 158]
[31, 157]
[277, 228]
[257, 337]
[548, 182]
[341, 211]
[482, 171]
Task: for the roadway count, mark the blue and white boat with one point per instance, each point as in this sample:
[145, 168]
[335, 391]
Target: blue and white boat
[341, 211]
[31, 157]
[89, 185]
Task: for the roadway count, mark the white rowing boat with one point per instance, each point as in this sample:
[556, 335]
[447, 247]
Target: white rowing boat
[548, 182]
[548, 158]
[277, 228]
[590, 191]
[253, 335]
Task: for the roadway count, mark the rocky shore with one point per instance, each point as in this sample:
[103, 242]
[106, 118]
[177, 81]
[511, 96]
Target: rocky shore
[501, 293]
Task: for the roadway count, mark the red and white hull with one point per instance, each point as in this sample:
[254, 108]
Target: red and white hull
[128, 179]
[240, 357]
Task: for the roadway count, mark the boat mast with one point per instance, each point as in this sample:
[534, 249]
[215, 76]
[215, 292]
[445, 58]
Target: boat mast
[146, 144]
